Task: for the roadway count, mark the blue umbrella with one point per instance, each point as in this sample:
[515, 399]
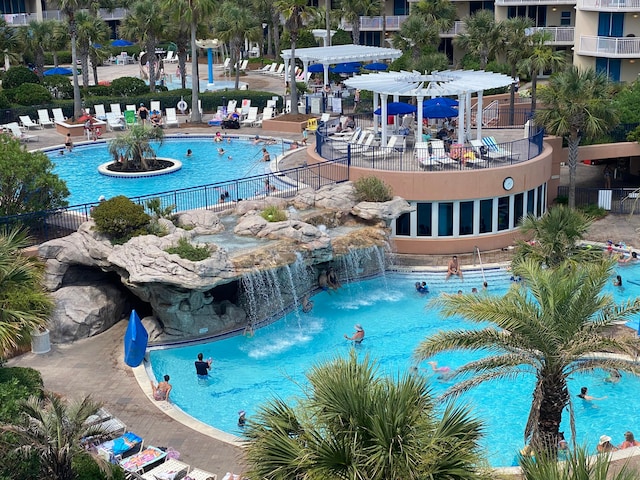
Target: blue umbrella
[376, 66]
[438, 111]
[316, 68]
[346, 68]
[58, 71]
[135, 341]
[97, 45]
[121, 43]
[449, 102]
[397, 108]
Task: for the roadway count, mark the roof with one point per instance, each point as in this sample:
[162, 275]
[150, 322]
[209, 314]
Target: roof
[436, 84]
[343, 54]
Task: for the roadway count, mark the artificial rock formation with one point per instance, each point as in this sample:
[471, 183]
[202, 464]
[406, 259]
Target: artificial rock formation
[181, 292]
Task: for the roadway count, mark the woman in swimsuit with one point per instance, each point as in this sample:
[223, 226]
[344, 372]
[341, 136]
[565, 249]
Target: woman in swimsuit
[143, 113]
[161, 391]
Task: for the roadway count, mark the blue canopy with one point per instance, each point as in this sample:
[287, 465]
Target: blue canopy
[449, 102]
[346, 68]
[135, 341]
[58, 71]
[397, 108]
[316, 68]
[121, 43]
[376, 66]
[438, 110]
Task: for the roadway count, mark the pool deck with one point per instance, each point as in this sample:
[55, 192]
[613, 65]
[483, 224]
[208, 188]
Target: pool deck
[95, 365]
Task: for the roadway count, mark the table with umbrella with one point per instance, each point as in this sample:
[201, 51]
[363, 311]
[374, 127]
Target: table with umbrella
[123, 58]
[58, 71]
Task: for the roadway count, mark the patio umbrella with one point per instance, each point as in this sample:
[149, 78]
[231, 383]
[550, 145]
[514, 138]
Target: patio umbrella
[135, 341]
[397, 108]
[376, 66]
[121, 43]
[449, 102]
[58, 71]
[316, 68]
[346, 68]
[438, 111]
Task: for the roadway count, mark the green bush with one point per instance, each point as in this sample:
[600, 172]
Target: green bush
[341, 37]
[186, 250]
[273, 214]
[86, 468]
[30, 94]
[128, 87]
[16, 76]
[372, 189]
[59, 86]
[594, 211]
[4, 101]
[16, 384]
[120, 218]
[97, 91]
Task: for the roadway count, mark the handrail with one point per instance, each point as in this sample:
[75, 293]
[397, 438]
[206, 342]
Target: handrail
[477, 250]
[635, 194]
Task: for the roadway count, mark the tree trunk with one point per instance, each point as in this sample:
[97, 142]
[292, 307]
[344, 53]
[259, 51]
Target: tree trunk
[292, 75]
[573, 142]
[151, 59]
[275, 19]
[534, 87]
[195, 82]
[84, 62]
[235, 60]
[269, 49]
[383, 34]
[554, 398]
[94, 67]
[355, 32]
[327, 21]
[55, 58]
[512, 95]
[77, 100]
[40, 63]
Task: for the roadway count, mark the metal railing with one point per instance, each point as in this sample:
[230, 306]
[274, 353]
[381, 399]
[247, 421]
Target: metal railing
[25, 18]
[621, 47]
[535, 2]
[610, 5]
[559, 35]
[50, 224]
[623, 200]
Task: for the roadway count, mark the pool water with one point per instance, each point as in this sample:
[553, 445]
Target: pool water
[249, 370]
[79, 168]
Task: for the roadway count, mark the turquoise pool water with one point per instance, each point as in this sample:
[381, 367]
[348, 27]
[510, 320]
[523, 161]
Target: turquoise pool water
[79, 168]
[247, 371]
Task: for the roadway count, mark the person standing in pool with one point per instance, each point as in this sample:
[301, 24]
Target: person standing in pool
[202, 367]
[584, 395]
[358, 335]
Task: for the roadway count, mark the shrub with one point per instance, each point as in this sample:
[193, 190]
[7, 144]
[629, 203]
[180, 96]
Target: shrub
[16, 384]
[120, 218]
[97, 91]
[86, 468]
[273, 214]
[372, 189]
[186, 250]
[594, 211]
[4, 101]
[128, 87]
[31, 94]
[16, 76]
[59, 86]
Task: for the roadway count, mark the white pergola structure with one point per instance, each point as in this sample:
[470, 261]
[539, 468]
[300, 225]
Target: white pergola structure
[338, 54]
[449, 83]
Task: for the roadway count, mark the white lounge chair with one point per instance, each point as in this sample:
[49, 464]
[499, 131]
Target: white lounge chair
[44, 119]
[198, 474]
[169, 469]
[171, 117]
[264, 69]
[361, 140]
[252, 117]
[155, 106]
[101, 114]
[171, 57]
[246, 104]
[266, 114]
[279, 70]
[226, 66]
[58, 116]
[244, 65]
[114, 122]
[14, 128]
[396, 143]
[130, 108]
[115, 108]
[26, 122]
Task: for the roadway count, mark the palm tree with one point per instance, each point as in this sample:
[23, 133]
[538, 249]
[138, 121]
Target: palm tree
[59, 39]
[442, 13]
[352, 10]
[554, 328]
[353, 423]
[483, 36]
[295, 13]
[577, 105]
[518, 46]
[53, 431]
[91, 30]
[34, 38]
[179, 30]
[540, 56]
[9, 44]
[235, 24]
[24, 304]
[69, 9]
[135, 148]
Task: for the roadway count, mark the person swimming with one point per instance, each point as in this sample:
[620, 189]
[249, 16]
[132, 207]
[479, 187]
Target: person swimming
[443, 372]
[307, 304]
[358, 335]
[422, 287]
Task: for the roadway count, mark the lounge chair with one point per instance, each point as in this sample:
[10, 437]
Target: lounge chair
[14, 128]
[114, 122]
[44, 119]
[174, 469]
[244, 65]
[396, 143]
[58, 116]
[26, 122]
[115, 108]
[171, 57]
[198, 474]
[109, 424]
[364, 142]
[130, 107]
[226, 66]
[121, 447]
[101, 114]
[266, 114]
[252, 117]
[495, 151]
[171, 117]
[432, 154]
[150, 456]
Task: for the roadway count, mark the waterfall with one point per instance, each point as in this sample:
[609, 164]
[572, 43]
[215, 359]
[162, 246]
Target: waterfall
[362, 262]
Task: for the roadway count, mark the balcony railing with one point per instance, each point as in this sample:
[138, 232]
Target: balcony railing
[610, 5]
[369, 24]
[457, 29]
[503, 3]
[559, 35]
[610, 47]
[25, 18]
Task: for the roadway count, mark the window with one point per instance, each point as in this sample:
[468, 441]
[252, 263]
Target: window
[403, 224]
[445, 219]
[486, 215]
[530, 202]
[518, 205]
[540, 208]
[466, 218]
[565, 19]
[503, 213]
[424, 216]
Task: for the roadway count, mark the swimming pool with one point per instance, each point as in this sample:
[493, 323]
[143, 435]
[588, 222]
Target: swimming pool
[79, 168]
[247, 371]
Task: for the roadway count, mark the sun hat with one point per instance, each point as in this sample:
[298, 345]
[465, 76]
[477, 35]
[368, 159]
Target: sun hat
[142, 104]
[358, 327]
[241, 412]
[604, 439]
[101, 198]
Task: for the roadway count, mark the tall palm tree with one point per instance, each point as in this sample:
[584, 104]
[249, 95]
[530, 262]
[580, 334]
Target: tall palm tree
[9, 44]
[59, 40]
[352, 10]
[540, 57]
[69, 9]
[483, 36]
[35, 37]
[24, 305]
[442, 13]
[554, 328]
[295, 13]
[235, 24]
[90, 30]
[53, 430]
[353, 423]
[518, 46]
[180, 31]
[577, 105]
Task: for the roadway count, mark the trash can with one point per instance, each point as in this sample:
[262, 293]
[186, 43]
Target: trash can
[40, 342]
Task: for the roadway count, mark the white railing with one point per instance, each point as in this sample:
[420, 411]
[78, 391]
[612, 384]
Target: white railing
[476, 251]
[535, 2]
[611, 47]
[457, 29]
[610, 5]
[25, 18]
[368, 24]
[559, 34]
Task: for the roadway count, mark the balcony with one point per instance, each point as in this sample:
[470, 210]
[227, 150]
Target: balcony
[559, 35]
[609, 47]
[509, 3]
[610, 5]
[457, 29]
[374, 24]
[24, 18]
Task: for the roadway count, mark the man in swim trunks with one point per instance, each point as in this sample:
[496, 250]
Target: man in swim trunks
[453, 268]
[161, 391]
[202, 367]
[358, 335]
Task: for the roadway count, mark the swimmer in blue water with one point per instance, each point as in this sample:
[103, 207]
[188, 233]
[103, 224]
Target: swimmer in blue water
[422, 287]
[358, 335]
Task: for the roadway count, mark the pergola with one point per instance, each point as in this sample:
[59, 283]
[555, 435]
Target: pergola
[458, 83]
[338, 54]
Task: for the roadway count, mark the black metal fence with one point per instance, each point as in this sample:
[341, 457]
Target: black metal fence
[50, 224]
[623, 200]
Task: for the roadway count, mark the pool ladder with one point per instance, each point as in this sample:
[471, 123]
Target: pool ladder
[476, 251]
